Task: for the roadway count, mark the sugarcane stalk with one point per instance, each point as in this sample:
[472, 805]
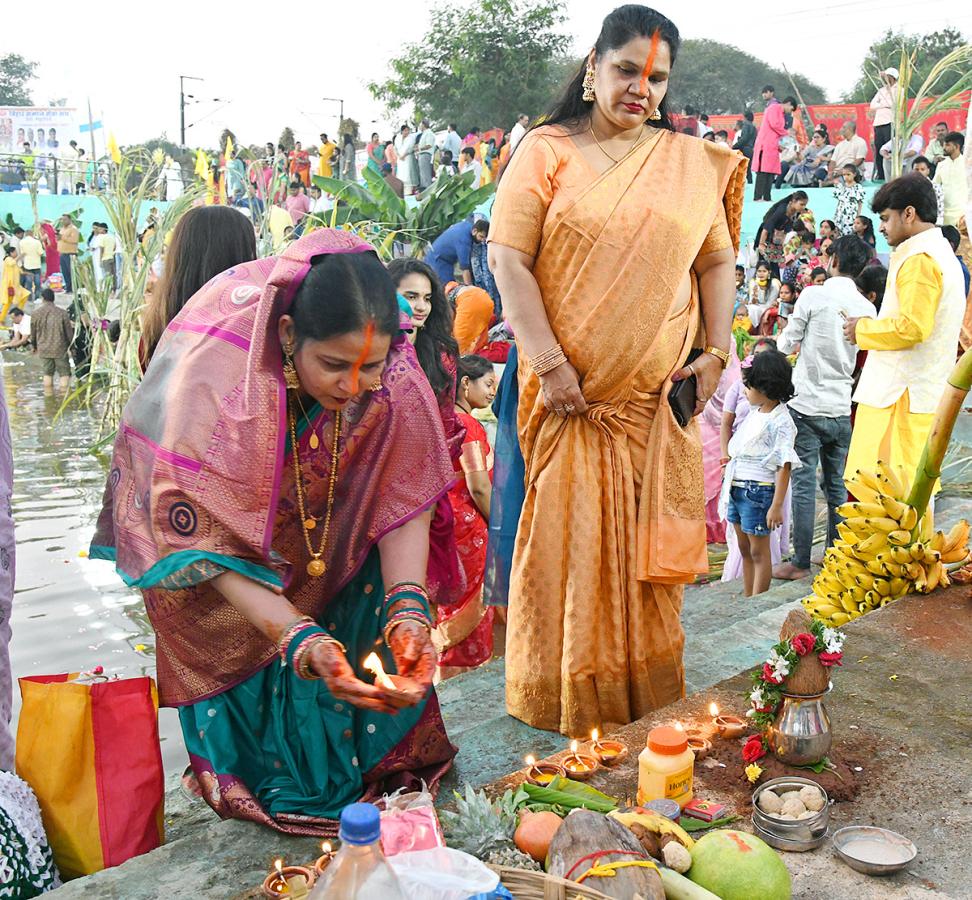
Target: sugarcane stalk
[949, 407]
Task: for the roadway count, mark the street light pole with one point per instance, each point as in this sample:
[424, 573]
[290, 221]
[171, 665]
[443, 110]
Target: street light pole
[337, 100]
[182, 107]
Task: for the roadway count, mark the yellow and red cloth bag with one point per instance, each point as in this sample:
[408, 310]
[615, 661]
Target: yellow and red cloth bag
[90, 751]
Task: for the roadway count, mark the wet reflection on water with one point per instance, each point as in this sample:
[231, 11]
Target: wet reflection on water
[70, 613]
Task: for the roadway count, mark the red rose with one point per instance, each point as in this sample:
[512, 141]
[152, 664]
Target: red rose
[769, 676]
[803, 643]
[754, 749]
[764, 709]
[830, 659]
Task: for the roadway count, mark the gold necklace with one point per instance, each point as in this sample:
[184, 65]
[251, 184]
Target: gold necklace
[314, 442]
[316, 567]
[634, 147]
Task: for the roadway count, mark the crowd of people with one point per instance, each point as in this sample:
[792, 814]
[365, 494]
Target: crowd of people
[367, 474]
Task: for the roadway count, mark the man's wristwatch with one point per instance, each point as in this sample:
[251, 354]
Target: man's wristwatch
[721, 355]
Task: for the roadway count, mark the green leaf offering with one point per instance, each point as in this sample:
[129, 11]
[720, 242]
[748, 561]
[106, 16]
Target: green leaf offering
[691, 824]
[570, 794]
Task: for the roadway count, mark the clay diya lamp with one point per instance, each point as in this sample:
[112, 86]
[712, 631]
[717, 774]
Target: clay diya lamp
[607, 753]
[324, 860]
[288, 881]
[541, 774]
[727, 726]
[698, 745]
[579, 766]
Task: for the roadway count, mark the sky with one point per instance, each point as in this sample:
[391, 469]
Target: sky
[129, 63]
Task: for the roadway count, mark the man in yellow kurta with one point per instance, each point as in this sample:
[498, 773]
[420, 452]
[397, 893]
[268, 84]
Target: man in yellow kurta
[912, 343]
[326, 150]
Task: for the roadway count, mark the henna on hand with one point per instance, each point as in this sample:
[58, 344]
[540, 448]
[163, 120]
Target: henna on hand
[415, 656]
[335, 671]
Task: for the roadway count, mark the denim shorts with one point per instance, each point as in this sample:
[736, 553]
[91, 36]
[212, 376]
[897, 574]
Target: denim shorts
[749, 502]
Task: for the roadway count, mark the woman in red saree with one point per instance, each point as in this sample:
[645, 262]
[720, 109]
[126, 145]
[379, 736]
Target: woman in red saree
[52, 259]
[269, 493]
[464, 633]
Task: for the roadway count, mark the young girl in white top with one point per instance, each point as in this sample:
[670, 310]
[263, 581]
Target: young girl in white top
[757, 475]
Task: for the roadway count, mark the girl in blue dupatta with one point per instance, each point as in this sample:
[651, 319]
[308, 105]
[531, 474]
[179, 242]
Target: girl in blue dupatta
[270, 493]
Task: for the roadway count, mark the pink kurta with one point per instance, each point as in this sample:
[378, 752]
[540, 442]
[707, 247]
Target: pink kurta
[766, 152]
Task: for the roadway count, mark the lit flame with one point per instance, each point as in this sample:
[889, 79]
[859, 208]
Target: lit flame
[326, 847]
[278, 865]
[573, 747]
[373, 664]
[595, 735]
[679, 726]
[531, 760]
[713, 709]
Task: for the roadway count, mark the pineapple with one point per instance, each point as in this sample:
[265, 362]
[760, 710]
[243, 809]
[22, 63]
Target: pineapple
[481, 827]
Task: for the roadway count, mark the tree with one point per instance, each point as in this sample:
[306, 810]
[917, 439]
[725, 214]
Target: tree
[484, 63]
[349, 126]
[15, 72]
[287, 138]
[886, 51]
[719, 78]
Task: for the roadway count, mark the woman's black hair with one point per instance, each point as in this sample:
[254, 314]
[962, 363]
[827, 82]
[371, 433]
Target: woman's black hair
[873, 280]
[435, 338]
[771, 374]
[348, 139]
[790, 285]
[341, 294]
[858, 177]
[831, 223]
[783, 203]
[818, 270]
[473, 367]
[868, 235]
[624, 24]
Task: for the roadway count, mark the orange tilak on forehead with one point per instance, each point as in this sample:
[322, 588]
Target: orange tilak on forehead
[650, 64]
[369, 334]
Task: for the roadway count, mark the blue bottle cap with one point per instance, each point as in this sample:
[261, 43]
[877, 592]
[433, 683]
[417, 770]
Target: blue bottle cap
[360, 824]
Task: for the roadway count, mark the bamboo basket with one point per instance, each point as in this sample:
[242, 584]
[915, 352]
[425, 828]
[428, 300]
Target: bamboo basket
[526, 885]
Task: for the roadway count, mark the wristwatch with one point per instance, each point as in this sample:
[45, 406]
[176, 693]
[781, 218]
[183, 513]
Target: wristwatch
[721, 355]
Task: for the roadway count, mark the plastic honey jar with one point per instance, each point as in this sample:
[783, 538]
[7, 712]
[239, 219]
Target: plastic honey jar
[666, 767]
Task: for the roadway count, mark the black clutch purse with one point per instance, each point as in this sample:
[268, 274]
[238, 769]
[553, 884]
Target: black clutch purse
[682, 396]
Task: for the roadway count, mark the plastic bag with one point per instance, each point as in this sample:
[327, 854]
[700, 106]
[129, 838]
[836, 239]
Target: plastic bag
[446, 874]
[409, 823]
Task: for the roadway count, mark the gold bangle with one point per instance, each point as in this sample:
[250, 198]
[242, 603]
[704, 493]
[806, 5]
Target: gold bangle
[548, 360]
[721, 355]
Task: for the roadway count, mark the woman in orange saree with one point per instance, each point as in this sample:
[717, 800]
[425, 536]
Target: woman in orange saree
[613, 244]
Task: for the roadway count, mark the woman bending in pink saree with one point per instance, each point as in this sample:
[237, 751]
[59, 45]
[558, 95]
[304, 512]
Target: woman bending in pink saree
[270, 493]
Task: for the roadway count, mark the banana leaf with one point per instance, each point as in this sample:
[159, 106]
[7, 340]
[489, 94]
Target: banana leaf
[382, 190]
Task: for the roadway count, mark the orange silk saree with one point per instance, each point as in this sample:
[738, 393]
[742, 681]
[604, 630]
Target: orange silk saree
[613, 524]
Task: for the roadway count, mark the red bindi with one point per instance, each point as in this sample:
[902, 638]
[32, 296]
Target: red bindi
[650, 64]
[369, 334]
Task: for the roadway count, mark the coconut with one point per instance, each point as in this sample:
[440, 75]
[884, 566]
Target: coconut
[735, 865]
[769, 802]
[812, 797]
[793, 807]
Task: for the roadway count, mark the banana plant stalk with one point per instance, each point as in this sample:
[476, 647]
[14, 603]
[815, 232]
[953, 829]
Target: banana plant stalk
[930, 465]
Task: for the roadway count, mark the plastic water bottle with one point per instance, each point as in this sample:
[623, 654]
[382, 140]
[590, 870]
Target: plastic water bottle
[359, 871]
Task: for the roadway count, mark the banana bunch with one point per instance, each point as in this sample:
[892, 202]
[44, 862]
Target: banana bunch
[880, 554]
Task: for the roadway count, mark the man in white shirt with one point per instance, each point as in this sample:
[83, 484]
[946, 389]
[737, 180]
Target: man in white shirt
[426, 150]
[950, 174]
[851, 151]
[882, 105]
[405, 149]
[452, 142]
[912, 150]
[469, 163]
[21, 330]
[518, 130]
[823, 380]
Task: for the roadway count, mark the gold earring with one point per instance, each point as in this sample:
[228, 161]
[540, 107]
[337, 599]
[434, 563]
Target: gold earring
[655, 116]
[291, 378]
[588, 85]
[376, 386]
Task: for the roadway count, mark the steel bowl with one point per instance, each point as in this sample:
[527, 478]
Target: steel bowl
[799, 842]
[849, 843]
[812, 830]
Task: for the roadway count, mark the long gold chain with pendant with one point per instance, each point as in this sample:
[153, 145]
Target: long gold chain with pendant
[316, 567]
